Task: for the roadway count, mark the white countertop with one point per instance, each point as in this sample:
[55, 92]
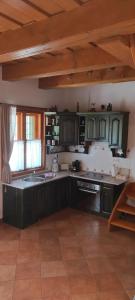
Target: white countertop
[21, 184]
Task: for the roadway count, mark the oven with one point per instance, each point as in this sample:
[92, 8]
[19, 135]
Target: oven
[88, 196]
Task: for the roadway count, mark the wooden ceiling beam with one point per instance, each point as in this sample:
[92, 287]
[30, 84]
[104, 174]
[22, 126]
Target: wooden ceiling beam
[113, 75]
[71, 62]
[120, 48]
[95, 20]
[132, 46]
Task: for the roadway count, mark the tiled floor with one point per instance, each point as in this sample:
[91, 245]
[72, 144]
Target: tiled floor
[67, 256]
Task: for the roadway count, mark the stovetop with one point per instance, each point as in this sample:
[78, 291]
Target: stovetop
[93, 175]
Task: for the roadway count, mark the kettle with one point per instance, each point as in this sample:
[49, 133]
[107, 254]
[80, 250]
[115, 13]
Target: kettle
[76, 165]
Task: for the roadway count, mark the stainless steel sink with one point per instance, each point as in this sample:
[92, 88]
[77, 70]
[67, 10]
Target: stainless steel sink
[34, 179]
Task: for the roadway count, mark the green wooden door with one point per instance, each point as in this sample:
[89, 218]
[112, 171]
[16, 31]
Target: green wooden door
[68, 130]
[90, 129]
[102, 128]
[115, 135]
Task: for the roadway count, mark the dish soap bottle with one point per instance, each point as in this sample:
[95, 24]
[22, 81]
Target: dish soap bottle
[55, 165]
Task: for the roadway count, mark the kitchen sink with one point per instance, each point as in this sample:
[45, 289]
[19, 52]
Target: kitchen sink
[34, 179]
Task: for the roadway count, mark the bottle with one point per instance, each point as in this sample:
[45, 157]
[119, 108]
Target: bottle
[55, 165]
[109, 107]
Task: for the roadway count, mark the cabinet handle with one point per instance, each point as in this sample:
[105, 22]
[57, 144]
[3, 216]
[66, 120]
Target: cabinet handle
[88, 191]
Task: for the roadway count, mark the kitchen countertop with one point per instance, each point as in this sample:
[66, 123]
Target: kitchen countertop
[21, 184]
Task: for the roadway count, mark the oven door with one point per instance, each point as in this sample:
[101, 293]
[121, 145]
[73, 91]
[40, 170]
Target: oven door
[88, 199]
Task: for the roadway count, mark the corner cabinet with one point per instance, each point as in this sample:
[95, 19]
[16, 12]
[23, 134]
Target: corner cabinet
[69, 125]
[111, 127]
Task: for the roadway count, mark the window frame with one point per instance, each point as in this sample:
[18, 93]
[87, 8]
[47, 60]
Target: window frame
[24, 110]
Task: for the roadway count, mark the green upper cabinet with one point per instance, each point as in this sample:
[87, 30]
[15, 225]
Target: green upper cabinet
[118, 133]
[115, 135]
[90, 128]
[69, 126]
[97, 128]
[102, 128]
[109, 127]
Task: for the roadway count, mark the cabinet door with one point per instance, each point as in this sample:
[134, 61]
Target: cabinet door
[30, 206]
[62, 193]
[68, 130]
[115, 135]
[107, 199]
[12, 213]
[102, 128]
[51, 197]
[90, 129]
[73, 192]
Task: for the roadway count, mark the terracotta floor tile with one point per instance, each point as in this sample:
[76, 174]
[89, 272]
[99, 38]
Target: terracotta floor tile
[113, 249]
[49, 243]
[9, 233]
[55, 287]
[69, 253]
[76, 267]
[82, 285]
[84, 297]
[9, 245]
[99, 265]
[27, 289]
[108, 282]
[6, 290]
[28, 270]
[28, 256]
[93, 250]
[63, 297]
[62, 224]
[69, 242]
[50, 252]
[113, 296]
[7, 272]
[53, 269]
[30, 234]
[28, 245]
[66, 232]
[8, 257]
[45, 224]
[47, 234]
[128, 279]
[123, 263]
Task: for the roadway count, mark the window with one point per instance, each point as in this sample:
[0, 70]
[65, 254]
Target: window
[28, 141]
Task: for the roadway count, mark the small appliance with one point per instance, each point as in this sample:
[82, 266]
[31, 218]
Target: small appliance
[76, 165]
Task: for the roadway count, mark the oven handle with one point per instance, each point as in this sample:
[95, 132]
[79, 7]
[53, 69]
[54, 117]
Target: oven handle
[88, 191]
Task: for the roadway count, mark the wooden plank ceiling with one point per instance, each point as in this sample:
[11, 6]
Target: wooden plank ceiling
[67, 43]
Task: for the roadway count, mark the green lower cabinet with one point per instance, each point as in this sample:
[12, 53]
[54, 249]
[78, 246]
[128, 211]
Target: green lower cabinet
[108, 197]
[62, 193]
[22, 208]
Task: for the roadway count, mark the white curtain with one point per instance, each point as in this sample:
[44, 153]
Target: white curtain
[8, 122]
[33, 154]
[17, 157]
